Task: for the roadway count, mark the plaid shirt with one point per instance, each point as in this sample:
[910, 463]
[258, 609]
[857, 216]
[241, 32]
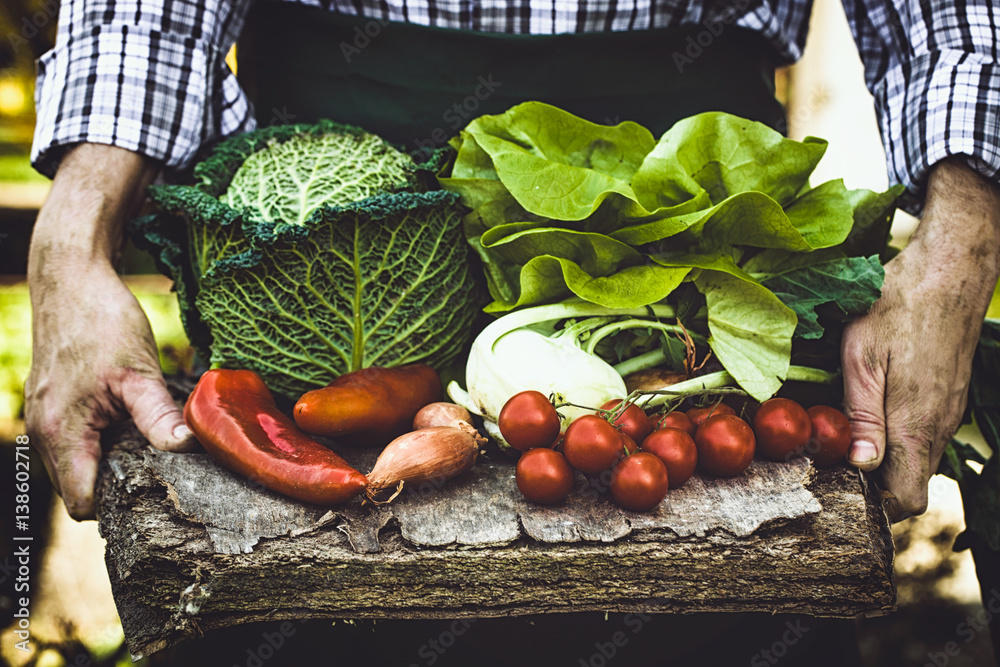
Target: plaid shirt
[150, 75]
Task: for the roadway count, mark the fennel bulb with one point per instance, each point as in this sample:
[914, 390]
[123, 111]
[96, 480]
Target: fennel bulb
[510, 356]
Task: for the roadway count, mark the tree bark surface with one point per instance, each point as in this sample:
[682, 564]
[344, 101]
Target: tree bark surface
[192, 547]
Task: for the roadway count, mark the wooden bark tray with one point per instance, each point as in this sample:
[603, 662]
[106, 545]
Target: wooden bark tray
[191, 547]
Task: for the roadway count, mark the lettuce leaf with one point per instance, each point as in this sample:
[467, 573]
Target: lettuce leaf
[751, 331]
[561, 207]
[553, 163]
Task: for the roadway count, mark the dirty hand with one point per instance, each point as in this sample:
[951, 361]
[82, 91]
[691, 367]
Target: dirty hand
[94, 359]
[907, 362]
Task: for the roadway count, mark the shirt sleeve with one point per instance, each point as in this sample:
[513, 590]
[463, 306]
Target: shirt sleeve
[933, 70]
[145, 75]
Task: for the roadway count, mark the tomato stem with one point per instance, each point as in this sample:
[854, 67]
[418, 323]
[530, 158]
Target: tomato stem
[578, 405]
[674, 399]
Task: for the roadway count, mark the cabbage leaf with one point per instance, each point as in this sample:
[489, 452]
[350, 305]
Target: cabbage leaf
[303, 252]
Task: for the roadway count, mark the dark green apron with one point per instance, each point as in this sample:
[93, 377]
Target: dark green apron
[417, 86]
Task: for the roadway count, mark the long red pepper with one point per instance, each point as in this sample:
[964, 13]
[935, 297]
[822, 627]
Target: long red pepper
[233, 415]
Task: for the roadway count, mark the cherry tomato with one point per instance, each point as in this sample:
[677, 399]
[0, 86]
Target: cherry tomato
[782, 429]
[831, 435]
[675, 419]
[699, 415]
[558, 442]
[632, 422]
[725, 445]
[592, 444]
[543, 476]
[639, 482]
[528, 420]
[677, 450]
[628, 444]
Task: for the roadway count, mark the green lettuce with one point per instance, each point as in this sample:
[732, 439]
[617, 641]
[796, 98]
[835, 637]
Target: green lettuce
[306, 251]
[562, 208]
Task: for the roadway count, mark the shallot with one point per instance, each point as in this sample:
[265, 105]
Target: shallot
[432, 454]
[440, 414]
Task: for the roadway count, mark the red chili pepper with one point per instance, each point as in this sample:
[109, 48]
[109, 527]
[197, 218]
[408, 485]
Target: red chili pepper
[370, 406]
[233, 415]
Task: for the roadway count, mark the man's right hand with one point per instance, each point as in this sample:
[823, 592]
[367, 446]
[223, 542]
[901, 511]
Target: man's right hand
[94, 359]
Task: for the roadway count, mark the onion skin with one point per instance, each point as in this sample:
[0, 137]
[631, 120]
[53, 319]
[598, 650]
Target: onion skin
[441, 414]
[432, 454]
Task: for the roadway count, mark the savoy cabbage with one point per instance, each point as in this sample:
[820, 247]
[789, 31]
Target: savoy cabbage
[306, 251]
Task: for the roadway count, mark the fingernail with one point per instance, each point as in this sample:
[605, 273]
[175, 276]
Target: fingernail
[182, 432]
[862, 452]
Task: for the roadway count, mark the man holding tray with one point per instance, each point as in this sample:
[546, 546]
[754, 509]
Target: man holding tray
[135, 87]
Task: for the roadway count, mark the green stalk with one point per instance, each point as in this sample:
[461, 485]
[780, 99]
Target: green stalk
[814, 375]
[723, 379]
[577, 329]
[615, 327]
[558, 311]
[650, 359]
[716, 380]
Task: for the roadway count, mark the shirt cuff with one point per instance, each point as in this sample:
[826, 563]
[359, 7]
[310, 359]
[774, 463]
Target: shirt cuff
[937, 105]
[159, 94]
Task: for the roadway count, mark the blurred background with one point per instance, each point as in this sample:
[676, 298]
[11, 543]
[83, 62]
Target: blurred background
[73, 619]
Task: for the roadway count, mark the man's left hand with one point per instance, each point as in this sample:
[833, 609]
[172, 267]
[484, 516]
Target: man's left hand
[907, 362]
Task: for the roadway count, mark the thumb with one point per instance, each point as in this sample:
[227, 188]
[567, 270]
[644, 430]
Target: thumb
[864, 400]
[155, 414]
